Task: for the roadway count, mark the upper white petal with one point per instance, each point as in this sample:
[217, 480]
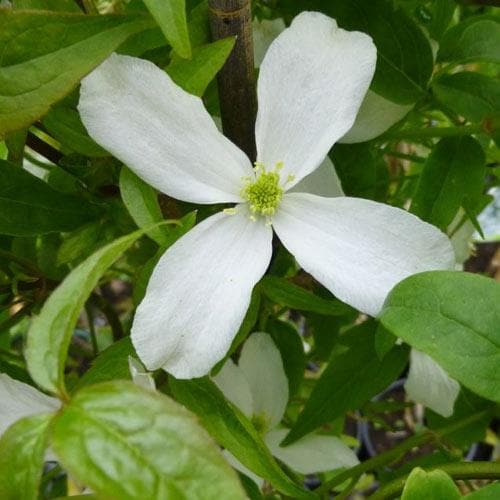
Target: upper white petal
[323, 181]
[430, 385]
[232, 382]
[357, 248]
[311, 84]
[261, 362]
[135, 111]
[198, 294]
[312, 453]
[376, 115]
[19, 400]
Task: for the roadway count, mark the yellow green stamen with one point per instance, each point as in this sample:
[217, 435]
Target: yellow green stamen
[263, 193]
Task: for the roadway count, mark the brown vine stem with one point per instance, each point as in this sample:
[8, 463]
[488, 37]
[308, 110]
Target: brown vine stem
[397, 452]
[236, 80]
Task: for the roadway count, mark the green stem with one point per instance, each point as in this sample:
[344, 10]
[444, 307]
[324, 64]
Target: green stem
[93, 336]
[461, 470]
[26, 264]
[111, 316]
[430, 132]
[398, 451]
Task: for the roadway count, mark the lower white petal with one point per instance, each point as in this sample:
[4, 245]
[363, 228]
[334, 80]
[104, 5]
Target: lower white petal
[430, 385]
[375, 116]
[357, 248]
[312, 453]
[140, 376]
[19, 400]
[261, 362]
[323, 181]
[198, 294]
[232, 382]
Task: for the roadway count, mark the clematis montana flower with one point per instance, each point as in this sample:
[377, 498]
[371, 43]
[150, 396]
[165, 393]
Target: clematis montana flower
[258, 386]
[311, 85]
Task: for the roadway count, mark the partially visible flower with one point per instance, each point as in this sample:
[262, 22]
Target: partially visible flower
[310, 87]
[258, 386]
[430, 385]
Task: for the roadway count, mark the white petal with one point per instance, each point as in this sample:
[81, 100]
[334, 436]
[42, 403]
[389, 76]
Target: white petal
[357, 248]
[140, 376]
[312, 453]
[19, 400]
[232, 382]
[323, 181]
[261, 362]
[199, 293]
[430, 385]
[310, 87]
[134, 110]
[264, 32]
[375, 116]
[236, 464]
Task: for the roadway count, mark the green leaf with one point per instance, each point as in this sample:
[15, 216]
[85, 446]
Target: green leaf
[64, 124]
[111, 364]
[433, 485]
[287, 294]
[232, 430]
[442, 14]
[455, 170]
[475, 39]
[29, 206]
[490, 492]
[288, 341]
[453, 317]
[404, 56]
[80, 243]
[22, 457]
[51, 331]
[126, 442]
[171, 17]
[51, 54]
[362, 172]
[141, 201]
[353, 364]
[471, 95]
[195, 74]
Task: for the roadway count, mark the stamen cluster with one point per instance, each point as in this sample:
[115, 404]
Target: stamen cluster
[264, 192]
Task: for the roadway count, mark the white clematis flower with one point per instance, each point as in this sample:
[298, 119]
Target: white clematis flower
[311, 85]
[259, 388]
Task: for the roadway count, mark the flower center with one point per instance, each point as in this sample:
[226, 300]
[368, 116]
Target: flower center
[263, 193]
[260, 423]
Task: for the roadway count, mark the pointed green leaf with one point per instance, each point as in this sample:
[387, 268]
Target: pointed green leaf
[453, 317]
[127, 442]
[195, 74]
[455, 170]
[287, 294]
[171, 17]
[52, 53]
[51, 331]
[233, 431]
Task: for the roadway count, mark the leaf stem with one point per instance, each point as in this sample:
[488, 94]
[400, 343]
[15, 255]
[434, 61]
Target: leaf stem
[430, 132]
[398, 451]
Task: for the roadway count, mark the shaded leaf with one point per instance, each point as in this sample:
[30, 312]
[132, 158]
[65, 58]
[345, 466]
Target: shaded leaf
[422, 485]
